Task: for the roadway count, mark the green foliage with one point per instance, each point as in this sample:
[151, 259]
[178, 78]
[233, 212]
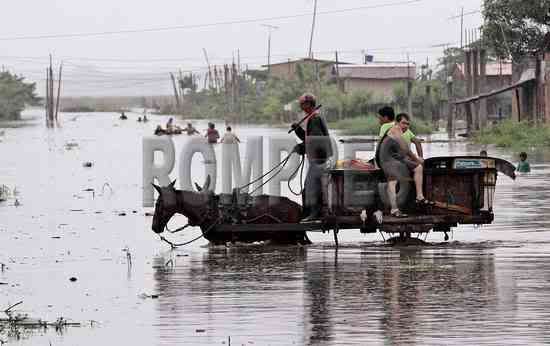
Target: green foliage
[515, 135]
[516, 27]
[273, 100]
[358, 126]
[14, 95]
[419, 96]
[369, 126]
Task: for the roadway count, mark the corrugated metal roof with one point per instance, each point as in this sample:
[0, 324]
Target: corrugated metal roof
[304, 60]
[378, 71]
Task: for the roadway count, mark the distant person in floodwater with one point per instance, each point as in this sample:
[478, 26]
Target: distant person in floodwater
[229, 137]
[139, 119]
[123, 116]
[483, 153]
[190, 130]
[170, 125]
[212, 134]
[160, 131]
[145, 119]
[523, 165]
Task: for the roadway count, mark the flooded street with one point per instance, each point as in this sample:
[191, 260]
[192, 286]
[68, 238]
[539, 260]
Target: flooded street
[488, 285]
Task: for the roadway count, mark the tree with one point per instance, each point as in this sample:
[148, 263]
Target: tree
[15, 94]
[516, 28]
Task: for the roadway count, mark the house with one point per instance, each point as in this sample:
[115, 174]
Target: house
[497, 74]
[377, 77]
[287, 69]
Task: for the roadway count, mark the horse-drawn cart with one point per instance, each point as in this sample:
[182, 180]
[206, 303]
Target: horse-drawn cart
[462, 188]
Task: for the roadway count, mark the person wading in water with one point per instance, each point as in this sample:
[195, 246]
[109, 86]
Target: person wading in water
[212, 134]
[316, 145]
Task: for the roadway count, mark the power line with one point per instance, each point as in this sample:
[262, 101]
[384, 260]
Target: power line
[464, 14]
[37, 60]
[196, 26]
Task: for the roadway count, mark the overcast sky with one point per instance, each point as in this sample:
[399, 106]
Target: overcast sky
[138, 63]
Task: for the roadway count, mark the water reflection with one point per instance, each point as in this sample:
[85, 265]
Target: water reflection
[317, 296]
[490, 286]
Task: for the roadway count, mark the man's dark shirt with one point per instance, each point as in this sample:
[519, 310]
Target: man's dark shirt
[317, 148]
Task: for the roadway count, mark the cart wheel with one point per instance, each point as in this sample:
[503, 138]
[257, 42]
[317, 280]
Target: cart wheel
[446, 236]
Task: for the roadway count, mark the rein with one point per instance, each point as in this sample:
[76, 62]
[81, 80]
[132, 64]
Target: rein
[175, 245]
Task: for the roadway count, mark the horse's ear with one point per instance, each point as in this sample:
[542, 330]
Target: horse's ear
[157, 188]
[172, 184]
[206, 183]
[199, 189]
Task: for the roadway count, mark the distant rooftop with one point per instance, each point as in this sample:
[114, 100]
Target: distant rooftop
[379, 70]
[305, 60]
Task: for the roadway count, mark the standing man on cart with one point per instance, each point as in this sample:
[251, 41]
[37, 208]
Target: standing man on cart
[317, 146]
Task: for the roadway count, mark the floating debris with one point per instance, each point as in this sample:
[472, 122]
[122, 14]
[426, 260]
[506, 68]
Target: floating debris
[92, 190]
[71, 145]
[72, 279]
[15, 324]
[146, 296]
[87, 164]
[4, 193]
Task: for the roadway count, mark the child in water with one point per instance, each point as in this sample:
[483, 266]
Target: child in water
[523, 165]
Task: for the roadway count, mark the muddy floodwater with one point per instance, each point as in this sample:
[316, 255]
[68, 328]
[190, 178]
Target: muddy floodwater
[488, 285]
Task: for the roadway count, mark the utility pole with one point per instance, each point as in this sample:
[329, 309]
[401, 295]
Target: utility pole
[209, 71]
[461, 27]
[409, 88]
[270, 28]
[310, 54]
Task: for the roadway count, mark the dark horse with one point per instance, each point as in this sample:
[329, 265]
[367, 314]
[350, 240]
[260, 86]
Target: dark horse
[203, 209]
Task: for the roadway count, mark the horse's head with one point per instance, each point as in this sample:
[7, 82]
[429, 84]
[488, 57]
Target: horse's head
[165, 207]
[171, 201]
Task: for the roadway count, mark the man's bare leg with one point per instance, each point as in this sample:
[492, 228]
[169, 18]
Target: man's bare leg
[392, 195]
[418, 181]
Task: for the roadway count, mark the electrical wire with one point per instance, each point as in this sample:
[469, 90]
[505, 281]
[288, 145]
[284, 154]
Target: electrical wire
[197, 26]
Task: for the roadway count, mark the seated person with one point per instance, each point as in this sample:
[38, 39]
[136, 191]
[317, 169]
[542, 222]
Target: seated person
[404, 122]
[398, 162]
